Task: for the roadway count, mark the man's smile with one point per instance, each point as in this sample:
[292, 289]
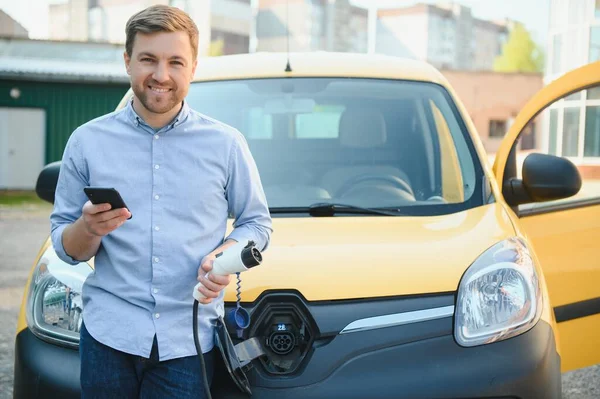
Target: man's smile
[158, 89]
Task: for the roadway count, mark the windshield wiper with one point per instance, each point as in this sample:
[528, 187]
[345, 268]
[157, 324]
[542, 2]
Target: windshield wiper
[330, 209]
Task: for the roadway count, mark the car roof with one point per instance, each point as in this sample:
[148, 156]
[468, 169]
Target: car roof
[315, 64]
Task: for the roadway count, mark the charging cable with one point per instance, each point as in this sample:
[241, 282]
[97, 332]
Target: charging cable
[199, 351]
[235, 259]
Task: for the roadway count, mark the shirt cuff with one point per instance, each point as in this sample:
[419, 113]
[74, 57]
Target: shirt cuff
[244, 234]
[59, 248]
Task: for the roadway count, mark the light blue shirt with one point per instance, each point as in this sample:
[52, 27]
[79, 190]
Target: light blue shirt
[180, 183]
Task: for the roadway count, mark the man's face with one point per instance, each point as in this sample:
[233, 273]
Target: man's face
[161, 67]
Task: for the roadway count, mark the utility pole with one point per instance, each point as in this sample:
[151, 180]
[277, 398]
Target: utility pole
[372, 29]
[253, 27]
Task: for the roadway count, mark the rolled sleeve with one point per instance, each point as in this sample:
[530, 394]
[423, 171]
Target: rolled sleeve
[246, 197]
[69, 197]
[59, 247]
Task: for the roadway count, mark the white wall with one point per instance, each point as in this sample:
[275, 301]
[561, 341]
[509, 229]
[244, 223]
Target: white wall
[231, 16]
[403, 36]
[569, 35]
[59, 21]
[272, 27]
[117, 16]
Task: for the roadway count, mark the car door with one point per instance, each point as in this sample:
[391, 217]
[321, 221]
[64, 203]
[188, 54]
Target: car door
[565, 233]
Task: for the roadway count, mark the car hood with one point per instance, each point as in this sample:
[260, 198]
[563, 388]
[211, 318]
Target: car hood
[329, 258]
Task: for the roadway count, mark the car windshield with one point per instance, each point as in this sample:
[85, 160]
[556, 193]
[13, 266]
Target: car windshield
[367, 143]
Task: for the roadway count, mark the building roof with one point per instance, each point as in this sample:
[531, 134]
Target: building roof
[419, 8]
[500, 26]
[26, 68]
[12, 27]
[103, 62]
[61, 60]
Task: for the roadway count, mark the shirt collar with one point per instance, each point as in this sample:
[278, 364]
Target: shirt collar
[137, 120]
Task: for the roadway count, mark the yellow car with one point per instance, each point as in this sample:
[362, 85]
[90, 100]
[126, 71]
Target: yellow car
[402, 263]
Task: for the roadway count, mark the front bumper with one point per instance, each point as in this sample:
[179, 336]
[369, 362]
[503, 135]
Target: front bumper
[526, 366]
[44, 370]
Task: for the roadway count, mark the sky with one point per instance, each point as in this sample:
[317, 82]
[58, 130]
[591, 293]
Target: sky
[33, 14]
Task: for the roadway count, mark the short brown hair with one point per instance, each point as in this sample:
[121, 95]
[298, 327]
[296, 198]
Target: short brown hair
[161, 18]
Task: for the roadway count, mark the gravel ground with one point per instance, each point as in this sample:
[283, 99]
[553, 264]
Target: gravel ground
[22, 232]
[24, 229]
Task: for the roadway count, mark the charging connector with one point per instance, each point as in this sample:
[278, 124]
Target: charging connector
[235, 259]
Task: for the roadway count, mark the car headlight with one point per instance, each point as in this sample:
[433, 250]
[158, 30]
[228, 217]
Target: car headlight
[499, 296]
[54, 303]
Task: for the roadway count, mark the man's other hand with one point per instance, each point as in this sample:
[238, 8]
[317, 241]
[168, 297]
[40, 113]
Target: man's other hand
[214, 284]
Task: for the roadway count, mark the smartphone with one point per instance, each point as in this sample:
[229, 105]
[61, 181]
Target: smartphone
[105, 195]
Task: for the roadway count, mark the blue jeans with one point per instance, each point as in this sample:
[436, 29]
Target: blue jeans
[109, 373]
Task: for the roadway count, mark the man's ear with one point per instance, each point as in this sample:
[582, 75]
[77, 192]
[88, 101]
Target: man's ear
[127, 61]
[194, 65]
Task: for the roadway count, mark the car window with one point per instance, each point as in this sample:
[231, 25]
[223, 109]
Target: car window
[363, 142]
[451, 167]
[570, 128]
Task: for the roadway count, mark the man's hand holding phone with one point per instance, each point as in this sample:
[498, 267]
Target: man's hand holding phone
[105, 211]
[101, 219]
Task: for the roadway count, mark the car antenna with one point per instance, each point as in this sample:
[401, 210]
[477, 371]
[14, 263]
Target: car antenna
[288, 67]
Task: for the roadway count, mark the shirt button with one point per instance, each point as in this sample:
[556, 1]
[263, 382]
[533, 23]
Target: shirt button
[156, 136]
[156, 260]
[156, 166]
[156, 228]
[157, 315]
[155, 290]
[156, 197]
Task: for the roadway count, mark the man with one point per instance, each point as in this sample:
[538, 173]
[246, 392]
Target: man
[181, 173]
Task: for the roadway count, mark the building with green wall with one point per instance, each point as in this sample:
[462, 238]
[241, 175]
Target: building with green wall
[47, 90]
[67, 105]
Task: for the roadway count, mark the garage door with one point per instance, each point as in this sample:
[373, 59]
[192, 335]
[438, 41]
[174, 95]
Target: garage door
[22, 147]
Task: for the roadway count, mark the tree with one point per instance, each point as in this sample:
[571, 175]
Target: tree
[520, 53]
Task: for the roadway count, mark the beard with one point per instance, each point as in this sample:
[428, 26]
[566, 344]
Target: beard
[155, 102]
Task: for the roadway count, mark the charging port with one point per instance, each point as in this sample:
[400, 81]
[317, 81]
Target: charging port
[287, 331]
[281, 343]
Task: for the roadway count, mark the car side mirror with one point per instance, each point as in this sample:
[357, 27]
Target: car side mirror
[545, 178]
[46, 182]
